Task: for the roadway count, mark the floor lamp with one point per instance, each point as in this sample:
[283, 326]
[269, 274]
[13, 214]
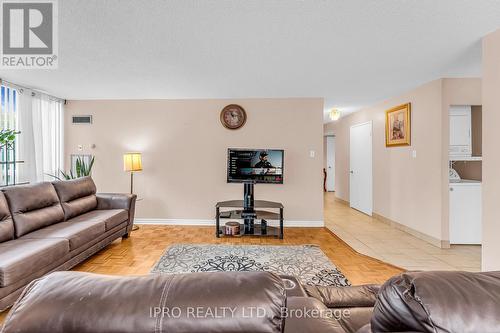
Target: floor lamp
[132, 162]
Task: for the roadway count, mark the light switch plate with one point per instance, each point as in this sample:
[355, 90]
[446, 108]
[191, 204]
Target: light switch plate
[312, 153]
[414, 153]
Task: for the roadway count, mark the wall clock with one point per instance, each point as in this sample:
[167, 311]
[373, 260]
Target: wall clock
[233, 116]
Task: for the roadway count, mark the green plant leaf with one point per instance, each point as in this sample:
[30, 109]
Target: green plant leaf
[65, 175]
[78, 167]
[91, 165]
[54, 176]
[84, 168]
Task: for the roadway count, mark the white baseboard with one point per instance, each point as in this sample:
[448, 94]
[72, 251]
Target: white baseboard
[200, 222]
[197, 222]
[304, 224]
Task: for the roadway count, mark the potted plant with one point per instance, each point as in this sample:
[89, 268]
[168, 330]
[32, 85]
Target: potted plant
[82, 169]
[7, 138]
[8, 155]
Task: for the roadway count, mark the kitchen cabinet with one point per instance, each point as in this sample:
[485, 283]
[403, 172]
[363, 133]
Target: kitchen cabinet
[460, 130]
[465, 212]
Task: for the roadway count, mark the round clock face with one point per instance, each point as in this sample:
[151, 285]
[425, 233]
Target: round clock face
[233, 116]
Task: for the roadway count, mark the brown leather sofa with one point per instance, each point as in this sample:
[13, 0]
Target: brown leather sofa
[254, 302]
[249, 302]
[49, 227]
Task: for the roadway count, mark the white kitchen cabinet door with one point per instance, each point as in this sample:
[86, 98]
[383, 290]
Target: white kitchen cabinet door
[465, 214]
[460, 130]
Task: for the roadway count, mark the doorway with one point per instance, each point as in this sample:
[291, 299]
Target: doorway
[330, 163]
[360, 177]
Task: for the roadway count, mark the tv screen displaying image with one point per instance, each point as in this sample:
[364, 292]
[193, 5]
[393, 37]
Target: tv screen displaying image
[255, 165]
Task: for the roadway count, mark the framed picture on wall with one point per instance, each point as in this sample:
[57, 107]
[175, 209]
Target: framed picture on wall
[398, 126]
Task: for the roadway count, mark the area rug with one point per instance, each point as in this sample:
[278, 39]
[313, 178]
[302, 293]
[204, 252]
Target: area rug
[307, 262]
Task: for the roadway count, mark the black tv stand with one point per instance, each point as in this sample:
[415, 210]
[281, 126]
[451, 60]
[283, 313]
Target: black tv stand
[248, 202]
[249, 215]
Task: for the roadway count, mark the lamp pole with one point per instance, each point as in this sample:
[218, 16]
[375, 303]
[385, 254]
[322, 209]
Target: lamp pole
[135, 226]
[131, 182]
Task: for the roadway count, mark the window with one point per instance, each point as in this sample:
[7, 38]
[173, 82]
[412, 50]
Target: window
[37, 149]
[9, 120]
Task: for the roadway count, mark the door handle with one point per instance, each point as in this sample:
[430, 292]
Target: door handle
[451, 189]
[352, 172]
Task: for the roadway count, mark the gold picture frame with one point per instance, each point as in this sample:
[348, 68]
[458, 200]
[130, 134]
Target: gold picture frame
[398, 126]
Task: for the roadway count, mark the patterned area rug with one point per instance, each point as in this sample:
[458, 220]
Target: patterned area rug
[307, 262]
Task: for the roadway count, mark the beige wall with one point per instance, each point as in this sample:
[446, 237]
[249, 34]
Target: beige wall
[184, 150]
[491, 155]
[409, 190]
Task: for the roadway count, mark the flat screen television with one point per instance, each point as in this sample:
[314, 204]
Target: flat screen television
[255, 166]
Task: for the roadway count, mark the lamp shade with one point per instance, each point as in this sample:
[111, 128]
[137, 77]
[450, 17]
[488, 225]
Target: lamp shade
[132, 162]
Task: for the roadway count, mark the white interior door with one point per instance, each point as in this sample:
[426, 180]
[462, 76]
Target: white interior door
[360, 177]
[330, 163]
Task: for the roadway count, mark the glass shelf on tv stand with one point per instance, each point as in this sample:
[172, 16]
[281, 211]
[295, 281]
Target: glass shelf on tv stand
[270, 231]
[257, 216]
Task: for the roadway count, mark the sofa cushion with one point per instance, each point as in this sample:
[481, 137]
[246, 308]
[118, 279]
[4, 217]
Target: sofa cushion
[33, 207]
[77, 196]
[79, 206]
[6, 224]
[22, 257]
[77, 233]
[110, 217]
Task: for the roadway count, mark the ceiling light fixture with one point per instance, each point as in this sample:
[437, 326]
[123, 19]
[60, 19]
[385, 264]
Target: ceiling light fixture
[335, 114]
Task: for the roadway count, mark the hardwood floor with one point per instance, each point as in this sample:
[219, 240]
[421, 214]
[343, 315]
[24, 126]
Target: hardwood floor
[137, 254]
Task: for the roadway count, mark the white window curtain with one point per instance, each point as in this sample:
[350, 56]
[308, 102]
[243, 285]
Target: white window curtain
[48, 136]
[41, 138]
[8, 121]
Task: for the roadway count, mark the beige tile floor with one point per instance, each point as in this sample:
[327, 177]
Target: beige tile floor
[381, 241]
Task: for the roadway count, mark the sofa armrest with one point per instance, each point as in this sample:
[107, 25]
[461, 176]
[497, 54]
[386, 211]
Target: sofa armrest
[345, 297]
[118, 201]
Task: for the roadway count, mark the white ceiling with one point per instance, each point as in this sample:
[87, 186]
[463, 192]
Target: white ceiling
[351, 52]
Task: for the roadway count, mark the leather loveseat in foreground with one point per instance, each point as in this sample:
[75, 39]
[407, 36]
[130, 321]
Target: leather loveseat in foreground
[49, 227]
[220, 302]
[255, 302]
